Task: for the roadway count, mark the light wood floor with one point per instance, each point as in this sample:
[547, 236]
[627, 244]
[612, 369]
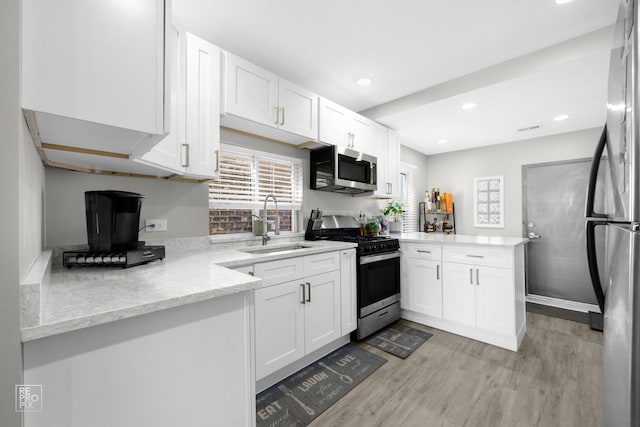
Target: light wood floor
[554, 380]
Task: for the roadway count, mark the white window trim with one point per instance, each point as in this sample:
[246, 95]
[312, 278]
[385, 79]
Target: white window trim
[270, 205]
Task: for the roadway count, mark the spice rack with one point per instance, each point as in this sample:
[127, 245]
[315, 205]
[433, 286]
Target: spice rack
[423, 217]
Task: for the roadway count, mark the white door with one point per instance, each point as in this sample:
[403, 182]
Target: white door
[392, 161]
[167, 153]
[250, 91]
[202, 108]
[458, 293]
[425, 286]
[298, 109]
[348, 291]
[333, 124]
[361, 133]
[495, 298]
[322, 310]
[279, 317]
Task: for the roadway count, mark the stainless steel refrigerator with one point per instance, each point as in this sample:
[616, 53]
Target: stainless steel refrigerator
[613, 217]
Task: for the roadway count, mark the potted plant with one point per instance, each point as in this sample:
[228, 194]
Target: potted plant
[393, 211]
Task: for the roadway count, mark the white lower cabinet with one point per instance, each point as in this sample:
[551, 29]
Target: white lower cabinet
[349, 291]
[305, 313]
[474, 291]
[322, 310]
[280, 326]
[425, 286]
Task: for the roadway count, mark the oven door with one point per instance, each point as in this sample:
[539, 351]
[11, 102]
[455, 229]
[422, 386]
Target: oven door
[378, 281]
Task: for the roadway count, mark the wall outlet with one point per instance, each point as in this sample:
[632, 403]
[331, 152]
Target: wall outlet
[155, 225]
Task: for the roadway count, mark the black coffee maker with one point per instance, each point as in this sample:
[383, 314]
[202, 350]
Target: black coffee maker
[113, 221]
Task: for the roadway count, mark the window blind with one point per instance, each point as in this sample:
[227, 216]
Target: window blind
[246, 177]
[409, 200]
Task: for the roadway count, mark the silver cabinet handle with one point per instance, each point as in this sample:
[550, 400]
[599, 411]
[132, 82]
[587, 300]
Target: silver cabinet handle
[185, 155]
[389, 187]
[304, 301]
[475, 256]
[438, 272]
[217, 161]
[471, 276]
[422, 251]
[277, 115]
[282, 120]
[309, 287]
[353, 139]
[478, 276]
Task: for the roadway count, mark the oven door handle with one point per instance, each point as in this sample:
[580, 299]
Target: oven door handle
[375, 258]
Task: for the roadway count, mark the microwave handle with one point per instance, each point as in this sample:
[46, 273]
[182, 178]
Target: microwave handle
[373, 174]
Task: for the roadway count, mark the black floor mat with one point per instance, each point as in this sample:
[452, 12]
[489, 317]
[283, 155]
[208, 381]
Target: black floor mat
[398, 339]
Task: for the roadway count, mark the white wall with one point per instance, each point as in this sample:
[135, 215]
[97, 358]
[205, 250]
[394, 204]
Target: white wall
[184, 205]
[10, 248]
[454, 172]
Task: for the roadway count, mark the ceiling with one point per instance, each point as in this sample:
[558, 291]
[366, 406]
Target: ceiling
[523, 62]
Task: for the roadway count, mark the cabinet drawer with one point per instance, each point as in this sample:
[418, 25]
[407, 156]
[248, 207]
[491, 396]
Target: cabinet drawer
[479, 255]
[321, 263]
[280, 271]
[422, 251]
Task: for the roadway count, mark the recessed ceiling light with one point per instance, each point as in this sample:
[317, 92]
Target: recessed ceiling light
[469, 105]
[364, 81]
[563, 1]
[442, 141]
[561, 117]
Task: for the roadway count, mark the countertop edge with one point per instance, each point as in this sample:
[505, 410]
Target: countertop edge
[469, 240]
[43, 331]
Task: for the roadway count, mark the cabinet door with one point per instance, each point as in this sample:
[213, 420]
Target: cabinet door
[393, 162]
[425, 286]
[379, 149]
[202, 108]
[458, 293]
[495, 299]
[362, 133]
[167, 153]
[102, 62]
[298, 109]
[333, 124]
[279, 321]
[348, 291]
[250, 91]
[322, 310]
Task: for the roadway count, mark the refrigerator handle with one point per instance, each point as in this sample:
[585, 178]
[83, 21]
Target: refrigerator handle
[592, 261]
[593, 176]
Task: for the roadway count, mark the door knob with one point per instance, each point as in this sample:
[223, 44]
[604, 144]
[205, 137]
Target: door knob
[533, 235]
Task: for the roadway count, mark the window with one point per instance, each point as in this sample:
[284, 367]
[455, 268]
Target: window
[409, 200]
[246, 178]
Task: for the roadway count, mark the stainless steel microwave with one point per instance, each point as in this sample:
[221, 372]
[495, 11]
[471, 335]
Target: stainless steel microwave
[342, 170]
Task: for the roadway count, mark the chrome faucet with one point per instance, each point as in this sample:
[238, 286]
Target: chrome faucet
[265, 237]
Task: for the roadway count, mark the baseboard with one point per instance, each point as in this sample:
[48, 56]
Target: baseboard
[561, 303]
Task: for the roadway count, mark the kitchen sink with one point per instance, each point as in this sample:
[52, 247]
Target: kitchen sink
[275, 249]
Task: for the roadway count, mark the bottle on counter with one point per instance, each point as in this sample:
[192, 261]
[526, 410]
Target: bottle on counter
[449, 203]
[438, 206]
[427, 202]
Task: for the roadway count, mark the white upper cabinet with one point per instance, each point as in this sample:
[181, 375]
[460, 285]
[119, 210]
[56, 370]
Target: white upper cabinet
[100, 64]
[342, 127]
[386, 145]
[258, 101]
[251, 92]
[192, 147]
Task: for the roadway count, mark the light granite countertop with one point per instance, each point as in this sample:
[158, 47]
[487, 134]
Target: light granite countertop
[71, 299]
[461, 239]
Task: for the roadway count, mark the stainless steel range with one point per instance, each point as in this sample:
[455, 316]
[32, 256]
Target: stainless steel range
[378, 269]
